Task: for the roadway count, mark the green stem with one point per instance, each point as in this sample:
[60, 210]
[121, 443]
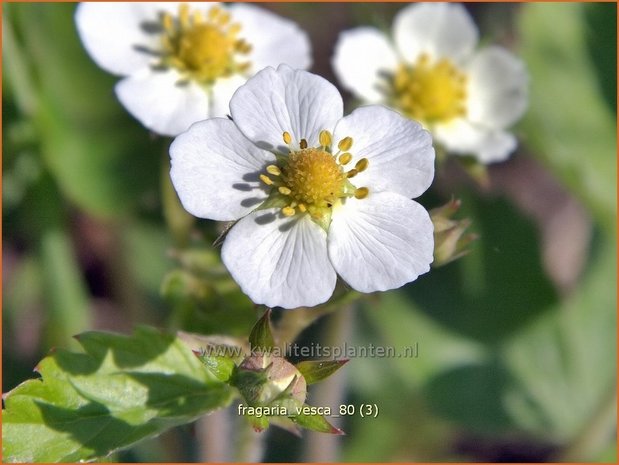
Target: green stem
[320, 447]
[179, 222]
[293, 322]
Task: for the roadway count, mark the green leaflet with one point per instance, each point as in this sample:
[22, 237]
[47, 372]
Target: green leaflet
[121, 390]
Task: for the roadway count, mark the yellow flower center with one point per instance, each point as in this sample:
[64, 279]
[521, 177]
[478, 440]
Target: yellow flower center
[313, 180]
[203, 48]
[430, 92]
[313, 177]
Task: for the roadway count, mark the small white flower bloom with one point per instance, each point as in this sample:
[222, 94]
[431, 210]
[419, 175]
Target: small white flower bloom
[182, 62]
[316, 193]
[432, 74]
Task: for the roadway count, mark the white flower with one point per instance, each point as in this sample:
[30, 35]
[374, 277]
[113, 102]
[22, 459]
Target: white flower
[433, 74]
[316, 193]
[183, 61]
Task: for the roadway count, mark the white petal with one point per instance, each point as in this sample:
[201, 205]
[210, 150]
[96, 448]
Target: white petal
[215, 170]
[438, 29]
[274, 39]
[399, 150]
[280, 262]
[295, 101]
[113, 32]
[161, 102]
[381, 242]
[488, 145]
[222, 93]
[497, 88]
[360, 55]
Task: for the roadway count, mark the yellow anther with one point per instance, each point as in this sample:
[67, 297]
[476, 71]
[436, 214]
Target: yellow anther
[345, 158]
[168, 23]
[274, 170]
[361, 193]
[242, 46]
[352, 173]
[197, 17]
[224, 18]
[302, 208]
[284, 190]
[362, 165]
[345, 144]
[429, 91]
[265, 179]
[288, 211]
[234, 29]
[303, 144]
[214, 12]
[183, 14]
[325, 138]
[287, 138]
[203, 47]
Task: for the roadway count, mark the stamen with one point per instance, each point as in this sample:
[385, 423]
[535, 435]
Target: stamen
[325, 138]
[234, 29]
[361, 193]
[197, 17]
[274, 170]
[224, 18]
[362, 165]
[183, 15]
[167, 21]
[312, 179]
[265, 179]
[345, 144]
[202, 46]
[288, 211]
[213, 13]
[429, 91]
[345, 158]
[242, 46]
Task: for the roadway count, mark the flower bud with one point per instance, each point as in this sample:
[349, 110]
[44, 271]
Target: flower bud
[450, 240]
[267, 380]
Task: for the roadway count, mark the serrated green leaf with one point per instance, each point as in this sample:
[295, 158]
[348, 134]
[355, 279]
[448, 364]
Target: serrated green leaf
[317, 370]
[121, 390]
[261, 336]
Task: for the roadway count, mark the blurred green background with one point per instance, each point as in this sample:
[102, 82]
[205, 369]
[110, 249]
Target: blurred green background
[517, 340]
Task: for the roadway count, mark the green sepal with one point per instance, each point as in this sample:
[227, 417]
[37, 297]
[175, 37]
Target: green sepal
[259, 424]
[316, 370]
[315, 422]
[221, 366]
[324, 220]
[261, 336]
[249, 384]
[118, 391]
[274, 200]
